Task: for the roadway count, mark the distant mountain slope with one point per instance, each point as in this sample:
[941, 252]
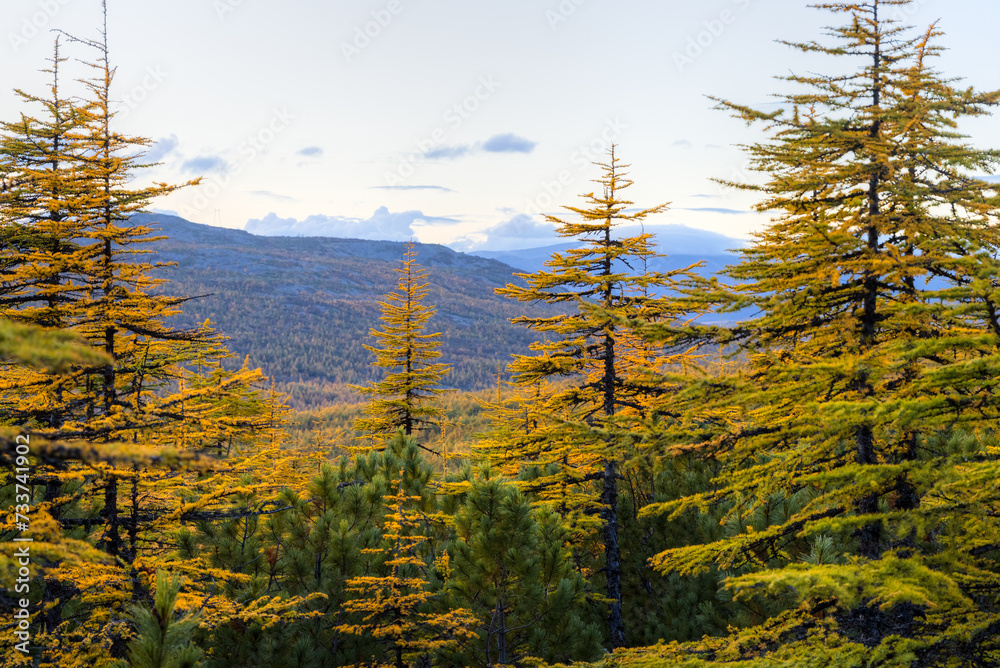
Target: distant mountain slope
[533, 259]
[682, 245]
[302, 307]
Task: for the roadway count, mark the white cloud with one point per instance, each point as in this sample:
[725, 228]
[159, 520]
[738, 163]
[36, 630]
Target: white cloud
[519, 231]
[383, 225]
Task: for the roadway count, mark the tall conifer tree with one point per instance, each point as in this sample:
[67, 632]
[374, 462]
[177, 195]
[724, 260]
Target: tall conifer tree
[406, 354]
[877, 331]
[69, 262]
[601, 288]
[41, 259]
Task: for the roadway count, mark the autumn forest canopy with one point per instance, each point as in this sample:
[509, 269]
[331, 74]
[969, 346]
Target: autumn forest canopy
[813, 484]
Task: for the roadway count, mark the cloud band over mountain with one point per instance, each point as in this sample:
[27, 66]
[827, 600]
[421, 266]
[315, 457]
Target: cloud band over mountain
[383, 225]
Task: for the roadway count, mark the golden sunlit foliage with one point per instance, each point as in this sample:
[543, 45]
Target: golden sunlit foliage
[868, 391]
[567, 442]
[406, 354]
[815, 485]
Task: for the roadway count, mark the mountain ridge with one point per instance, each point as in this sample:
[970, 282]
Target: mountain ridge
[302, 307]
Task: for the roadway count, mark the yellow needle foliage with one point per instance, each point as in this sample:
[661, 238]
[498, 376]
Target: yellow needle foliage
[867, 396]
[394, 608]
[405, 355]
[607, 375]
[128, 417]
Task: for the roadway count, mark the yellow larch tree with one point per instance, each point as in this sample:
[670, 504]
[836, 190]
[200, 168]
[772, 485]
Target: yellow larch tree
[407, 356]
[393, 609]
[601, 290]
[868, 397]
[71, 261]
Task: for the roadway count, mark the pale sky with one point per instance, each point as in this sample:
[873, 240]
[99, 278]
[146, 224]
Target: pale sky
[453, 121]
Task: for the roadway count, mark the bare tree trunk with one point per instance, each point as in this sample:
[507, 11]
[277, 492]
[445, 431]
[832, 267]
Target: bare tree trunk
[112, 540]
[612, 554]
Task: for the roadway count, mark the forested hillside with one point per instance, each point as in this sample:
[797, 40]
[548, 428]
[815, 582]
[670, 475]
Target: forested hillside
[302, 307]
